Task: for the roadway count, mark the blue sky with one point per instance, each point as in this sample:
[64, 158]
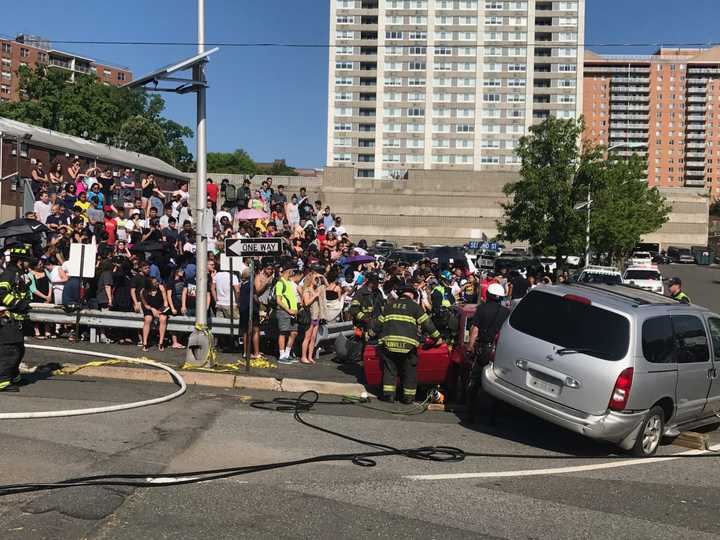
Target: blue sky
[273, 102]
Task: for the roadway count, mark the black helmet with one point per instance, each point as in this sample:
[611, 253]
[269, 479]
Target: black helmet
[373, 277]
[404, 288]
[20, 252]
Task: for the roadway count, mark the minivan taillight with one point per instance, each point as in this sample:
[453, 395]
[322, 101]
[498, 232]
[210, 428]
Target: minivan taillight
[621, 392]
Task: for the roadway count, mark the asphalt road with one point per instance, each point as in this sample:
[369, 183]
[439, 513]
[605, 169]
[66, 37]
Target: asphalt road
[605, 495]
[701, 283]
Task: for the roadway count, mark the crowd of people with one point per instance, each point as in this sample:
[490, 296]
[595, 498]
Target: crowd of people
[146, 246]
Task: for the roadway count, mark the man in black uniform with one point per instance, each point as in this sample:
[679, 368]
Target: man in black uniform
[367, 304]
[401, 323]
[14, 301]
[486, 323]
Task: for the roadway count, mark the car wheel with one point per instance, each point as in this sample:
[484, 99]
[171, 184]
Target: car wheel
[650, 434]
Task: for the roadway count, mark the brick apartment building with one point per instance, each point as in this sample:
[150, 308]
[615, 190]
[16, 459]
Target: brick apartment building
[666, 105]
[30, 51]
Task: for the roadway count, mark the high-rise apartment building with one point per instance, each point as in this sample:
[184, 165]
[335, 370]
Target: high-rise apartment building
[447, 84]
[30, 51]
[666, 105]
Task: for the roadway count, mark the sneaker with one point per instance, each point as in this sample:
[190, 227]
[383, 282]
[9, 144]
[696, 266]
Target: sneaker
[105, 340]
[287, 361]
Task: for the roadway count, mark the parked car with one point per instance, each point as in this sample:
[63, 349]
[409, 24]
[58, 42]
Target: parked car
[608, 275]
[612, 363]
[661, 258]
[680, 255]
[639, 258]
[644, 277]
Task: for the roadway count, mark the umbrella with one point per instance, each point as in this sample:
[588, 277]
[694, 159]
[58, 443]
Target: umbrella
[250, 214]
[22, 227]
[360, 259]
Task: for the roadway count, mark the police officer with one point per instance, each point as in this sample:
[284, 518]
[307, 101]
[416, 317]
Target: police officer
[14, 301]
[486, 323]
[367, 304]
[676, 291]
[401, 324]
[443, 302]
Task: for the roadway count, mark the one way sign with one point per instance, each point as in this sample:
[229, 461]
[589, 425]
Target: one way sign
[253, 247]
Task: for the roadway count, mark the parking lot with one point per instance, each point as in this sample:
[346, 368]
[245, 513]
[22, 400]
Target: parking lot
[701, 283]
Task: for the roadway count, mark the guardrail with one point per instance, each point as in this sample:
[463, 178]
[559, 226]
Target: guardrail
[50, 313]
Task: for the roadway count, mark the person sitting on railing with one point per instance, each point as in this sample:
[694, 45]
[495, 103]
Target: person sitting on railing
[154, 307]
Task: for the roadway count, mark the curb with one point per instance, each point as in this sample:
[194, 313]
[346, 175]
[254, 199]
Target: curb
[225, 380]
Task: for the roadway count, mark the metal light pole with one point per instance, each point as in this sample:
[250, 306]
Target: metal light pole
[200, 340]
[201, 238]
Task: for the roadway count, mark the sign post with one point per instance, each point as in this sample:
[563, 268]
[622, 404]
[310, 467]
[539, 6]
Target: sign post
[251, 248]
[82, 265]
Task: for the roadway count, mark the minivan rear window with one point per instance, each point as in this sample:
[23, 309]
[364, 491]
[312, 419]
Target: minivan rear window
[573, 325]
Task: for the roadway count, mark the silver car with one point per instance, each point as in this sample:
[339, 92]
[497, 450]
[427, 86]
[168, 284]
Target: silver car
[610, 362]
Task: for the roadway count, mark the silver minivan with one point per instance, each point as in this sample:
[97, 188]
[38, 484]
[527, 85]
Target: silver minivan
[613, 363]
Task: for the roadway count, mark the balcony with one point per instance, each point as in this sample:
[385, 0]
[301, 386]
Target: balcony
[625, 135]
[695, 155]
[622, 89]
[696, 136]
[697, 89]
[703, 71]
[698, 163]
[624, 107]
[697, 99]
[694, 183]
[642, 117]
[632, 98]
[695, 174]
[696, 118]
[696, 108]
[59, 63]
[700, 146]
[366, 143]
[630, 80]
[695, 127]
[628, 126]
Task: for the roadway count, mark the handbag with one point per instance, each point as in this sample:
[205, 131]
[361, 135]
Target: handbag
[303, 317]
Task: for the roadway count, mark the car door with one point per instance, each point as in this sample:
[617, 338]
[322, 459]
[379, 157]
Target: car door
[713, 401]
[692, 355]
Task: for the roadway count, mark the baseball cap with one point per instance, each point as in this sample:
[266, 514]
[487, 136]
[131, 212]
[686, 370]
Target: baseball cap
[675, 281]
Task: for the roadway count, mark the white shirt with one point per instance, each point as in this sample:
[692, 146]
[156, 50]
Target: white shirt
[222, 287]
[43, 210]
[339, 229]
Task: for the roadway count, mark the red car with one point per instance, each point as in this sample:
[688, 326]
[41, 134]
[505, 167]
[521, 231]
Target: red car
[437, 366]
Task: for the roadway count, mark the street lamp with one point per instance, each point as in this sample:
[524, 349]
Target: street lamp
[588, 204]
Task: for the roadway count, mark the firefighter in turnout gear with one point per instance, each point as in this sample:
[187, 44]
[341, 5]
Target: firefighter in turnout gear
[14, 307]
[443, 308]
[401, 324]
[486, 323]
[367, 306]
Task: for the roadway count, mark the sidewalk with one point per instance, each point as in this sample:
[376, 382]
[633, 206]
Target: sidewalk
[325, 377]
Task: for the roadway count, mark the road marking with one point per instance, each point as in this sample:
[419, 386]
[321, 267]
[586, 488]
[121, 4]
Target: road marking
[562, 470]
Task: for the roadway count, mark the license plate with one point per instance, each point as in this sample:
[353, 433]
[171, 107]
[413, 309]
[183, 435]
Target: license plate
[544, 386]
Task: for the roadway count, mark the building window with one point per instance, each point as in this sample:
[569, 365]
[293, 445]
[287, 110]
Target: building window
[4, 89]
[6, 48]
[24, 53]
[6, 75]
[393, 35]
[120, 76]
[416, 112]
[343, 65]
[465, 128]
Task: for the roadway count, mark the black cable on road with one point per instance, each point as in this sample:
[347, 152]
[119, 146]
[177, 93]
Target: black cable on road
[304, 403]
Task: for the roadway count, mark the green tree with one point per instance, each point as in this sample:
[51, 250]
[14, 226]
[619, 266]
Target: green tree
[624, 208]
[541, 208]
[237, 162]
[99, 112]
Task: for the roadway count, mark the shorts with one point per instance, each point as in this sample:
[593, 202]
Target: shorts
[224, 311]
[286, 322]
[243, 320]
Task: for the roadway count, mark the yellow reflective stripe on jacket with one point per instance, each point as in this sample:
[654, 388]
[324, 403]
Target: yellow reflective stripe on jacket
[8, 299]
[435, 334]
[399, 318]
[424, 317]
[397, 340]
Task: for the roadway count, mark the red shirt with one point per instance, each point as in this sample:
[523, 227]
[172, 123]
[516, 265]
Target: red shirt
[212, 191]
[111, 230]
